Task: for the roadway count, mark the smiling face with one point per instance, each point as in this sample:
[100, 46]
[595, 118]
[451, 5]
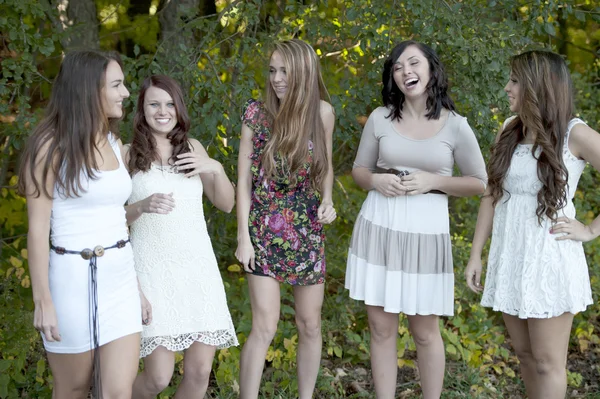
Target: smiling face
[411, 72]
[114, 91]
[159, 111]
[513, 90]
[278, 75]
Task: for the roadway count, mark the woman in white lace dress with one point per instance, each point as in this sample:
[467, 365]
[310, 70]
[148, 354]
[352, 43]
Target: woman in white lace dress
[537, 273]
[174, 258]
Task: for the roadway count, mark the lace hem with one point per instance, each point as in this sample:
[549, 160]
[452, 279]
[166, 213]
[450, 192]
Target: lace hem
[221, 339]
[534, 315]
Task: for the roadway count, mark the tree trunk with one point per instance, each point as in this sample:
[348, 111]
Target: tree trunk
[80, 19]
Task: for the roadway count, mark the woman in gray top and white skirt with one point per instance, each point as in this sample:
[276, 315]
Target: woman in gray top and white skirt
[400, 257]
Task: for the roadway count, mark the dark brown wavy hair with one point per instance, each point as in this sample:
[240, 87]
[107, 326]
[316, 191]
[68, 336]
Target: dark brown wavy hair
[142, 151]
[297, 118]
[69, 130]
[545, 109]
[437, 87]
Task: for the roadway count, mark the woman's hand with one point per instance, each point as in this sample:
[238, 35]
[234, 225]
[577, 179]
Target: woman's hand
[146, 309]
[388, 184]
[45, 321]
[572, 229]
[419, 182]
[473, 275]
[326, 213]
[157, 203]
[245, 255]
[195, 164]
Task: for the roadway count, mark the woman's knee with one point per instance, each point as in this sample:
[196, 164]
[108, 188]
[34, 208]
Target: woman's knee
[426, 334]
[264, 330]
[525, 356]
[157, 380]
[382, 331]
[547, 364]
[198, 372]
[309, 327]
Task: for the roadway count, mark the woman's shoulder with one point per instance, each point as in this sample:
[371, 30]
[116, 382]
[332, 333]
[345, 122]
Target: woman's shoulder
[326, 108]
[196, 146]
[251, 111]
[380, 113]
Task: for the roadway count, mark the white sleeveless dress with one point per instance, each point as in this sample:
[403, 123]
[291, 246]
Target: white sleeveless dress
[177, 267]
[97, 217]
[529, 273]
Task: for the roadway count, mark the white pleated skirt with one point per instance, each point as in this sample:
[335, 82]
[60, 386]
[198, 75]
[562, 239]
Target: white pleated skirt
[400, 256]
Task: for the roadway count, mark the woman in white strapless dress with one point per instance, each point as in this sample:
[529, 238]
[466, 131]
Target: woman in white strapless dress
[537, 274]
[87, 304]
[174, 258]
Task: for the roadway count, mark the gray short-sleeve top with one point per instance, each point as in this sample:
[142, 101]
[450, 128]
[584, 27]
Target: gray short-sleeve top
[383, 147]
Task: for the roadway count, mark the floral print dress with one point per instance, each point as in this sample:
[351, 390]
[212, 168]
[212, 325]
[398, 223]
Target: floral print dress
[287, 238]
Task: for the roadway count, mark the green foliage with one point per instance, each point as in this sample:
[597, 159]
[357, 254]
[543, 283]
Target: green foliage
[221, 61]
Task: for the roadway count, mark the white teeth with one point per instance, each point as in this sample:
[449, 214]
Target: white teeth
[163, 121]
[411, 81]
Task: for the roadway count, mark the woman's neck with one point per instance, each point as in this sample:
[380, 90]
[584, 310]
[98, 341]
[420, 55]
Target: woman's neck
[415, 108]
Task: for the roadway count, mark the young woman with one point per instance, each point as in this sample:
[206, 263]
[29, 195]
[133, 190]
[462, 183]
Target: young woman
[400, 258]
[174, 258]
[87, 304]
[537, 273]
[285, 181]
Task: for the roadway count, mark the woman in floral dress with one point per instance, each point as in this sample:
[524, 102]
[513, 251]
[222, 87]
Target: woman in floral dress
[285, 181]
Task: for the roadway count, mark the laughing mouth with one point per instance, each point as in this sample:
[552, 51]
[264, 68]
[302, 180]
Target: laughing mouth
[411, 82]
[163, 121]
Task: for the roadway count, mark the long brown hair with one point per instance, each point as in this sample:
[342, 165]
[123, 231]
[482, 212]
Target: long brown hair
[297, 118]
[546, 107]
[143, 149]
[74, 119]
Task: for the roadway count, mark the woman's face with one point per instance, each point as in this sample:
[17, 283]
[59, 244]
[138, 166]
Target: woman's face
[159, 110]
[411, 72]
[278, 75]
[513, 91]
[114, 90]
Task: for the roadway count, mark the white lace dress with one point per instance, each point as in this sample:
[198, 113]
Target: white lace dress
[529, 273]
[177, 268]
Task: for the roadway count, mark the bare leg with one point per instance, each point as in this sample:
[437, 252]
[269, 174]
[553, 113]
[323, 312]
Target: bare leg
[425, 331]
[308, 302]
[197, 365]
[72, 374]
[549, 340]
[265, 300]
[518, 329]
[158, 370]
[384, 358]
[119, 361]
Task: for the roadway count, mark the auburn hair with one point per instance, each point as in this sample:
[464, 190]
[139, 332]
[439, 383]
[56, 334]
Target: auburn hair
[545, 104]
[143, 151]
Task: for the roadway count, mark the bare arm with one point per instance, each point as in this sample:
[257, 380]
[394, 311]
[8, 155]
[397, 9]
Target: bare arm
[39, 210]
[328, 117]
[245, 251]
[217, 186]
[584, 143]
[326, 212]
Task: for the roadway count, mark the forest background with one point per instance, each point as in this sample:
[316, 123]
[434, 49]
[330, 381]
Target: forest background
[218, 50]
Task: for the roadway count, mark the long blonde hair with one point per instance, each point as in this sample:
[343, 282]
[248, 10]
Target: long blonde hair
[296, 118]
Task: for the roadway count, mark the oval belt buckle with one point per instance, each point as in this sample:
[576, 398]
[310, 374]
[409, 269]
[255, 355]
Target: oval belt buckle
[99, 250]
[87, 254]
